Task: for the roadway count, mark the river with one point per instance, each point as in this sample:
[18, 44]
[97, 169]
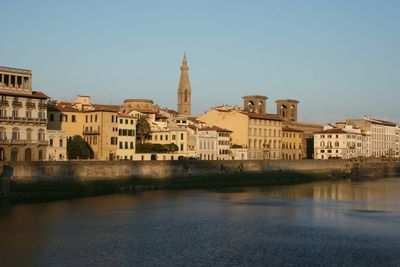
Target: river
[340, 223]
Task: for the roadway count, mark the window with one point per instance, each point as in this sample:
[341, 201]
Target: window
[86, 118]
[41, 135]
[73, 119]
[173, 137]
[3, 135]
[61, 143]
[131, 121]
[15, 113]
[126, 145]
[28, 114]
[95, 118]
[181, 136]
[121, 121]
[28, 134]
[41, 115]
[181, 147]
[3, 113]
[131, 145]
[120, 145]
[126, 121]
[51, 142]
[15, 134]
[51, 117]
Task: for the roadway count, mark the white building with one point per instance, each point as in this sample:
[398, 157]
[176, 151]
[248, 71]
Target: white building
[57, 148]
[344, 143]
[384, 136]
[23, 117]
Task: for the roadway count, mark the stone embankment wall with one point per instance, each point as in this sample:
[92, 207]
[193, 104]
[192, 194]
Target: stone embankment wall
[114, 170]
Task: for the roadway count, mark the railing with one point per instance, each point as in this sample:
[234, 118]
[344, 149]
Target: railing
[17, 104]
[4, 103]
[91, 132]
[22, 119]
[30, 105]
[42, 106]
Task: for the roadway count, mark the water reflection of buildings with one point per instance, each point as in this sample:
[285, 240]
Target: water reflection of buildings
[384, 190]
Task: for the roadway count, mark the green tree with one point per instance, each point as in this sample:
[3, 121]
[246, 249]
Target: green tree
[78, 148]
[142, 128]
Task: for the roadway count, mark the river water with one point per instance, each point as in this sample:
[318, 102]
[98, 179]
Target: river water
[326, 223]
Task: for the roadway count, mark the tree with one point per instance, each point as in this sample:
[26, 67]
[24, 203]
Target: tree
[142, 128]
[78, 148]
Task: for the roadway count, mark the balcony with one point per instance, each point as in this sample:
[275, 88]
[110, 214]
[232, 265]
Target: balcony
[22, 120]
[30, 105]
[91, 132]
[17, 104]
[3, 103]
[42, 106]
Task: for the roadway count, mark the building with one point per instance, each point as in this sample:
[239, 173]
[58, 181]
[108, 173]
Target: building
[260, 133]
[126, 137]
[292, 143]
[184, 90]
[287, 109]
[57, 148]
[384, 136]
[333, 143]
[23, 117]
[96, 123]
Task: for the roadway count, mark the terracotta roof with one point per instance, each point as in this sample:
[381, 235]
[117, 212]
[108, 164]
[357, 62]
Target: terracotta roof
[100, 107]
[288, 129]
[34, 94]
[333, 131]
[122, 115]
[146, 111]
[215, 128]
[263, 116]
[62, 106]
[387, 123]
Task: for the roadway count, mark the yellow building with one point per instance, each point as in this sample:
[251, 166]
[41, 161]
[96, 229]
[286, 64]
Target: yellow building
[260, 133]
[291, 143]
[97, 124]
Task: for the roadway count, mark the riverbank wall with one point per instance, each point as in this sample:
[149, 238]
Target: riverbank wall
[158, 172]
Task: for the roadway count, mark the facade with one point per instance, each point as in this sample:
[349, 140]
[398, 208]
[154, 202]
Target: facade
[343, 143]
[184, 90]
[207, 143]
[57, 148]
[291, 143]
[260, 133]
[97, 124]
[126, 137]
[384, 136]
[23, 117]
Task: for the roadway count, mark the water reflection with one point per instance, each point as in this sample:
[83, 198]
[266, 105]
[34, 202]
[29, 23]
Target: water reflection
[325, 223]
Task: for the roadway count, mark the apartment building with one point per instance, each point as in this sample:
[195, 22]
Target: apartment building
[23, 117]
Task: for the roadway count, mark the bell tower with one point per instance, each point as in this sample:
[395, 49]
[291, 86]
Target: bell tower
[184, 90]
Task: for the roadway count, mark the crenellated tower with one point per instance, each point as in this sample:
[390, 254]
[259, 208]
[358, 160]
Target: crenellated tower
[184, 90]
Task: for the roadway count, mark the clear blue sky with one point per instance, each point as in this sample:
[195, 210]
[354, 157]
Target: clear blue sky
[338, 58]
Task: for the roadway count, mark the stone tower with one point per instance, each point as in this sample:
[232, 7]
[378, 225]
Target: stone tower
[255, 104]
[184, 90]
[287, 109]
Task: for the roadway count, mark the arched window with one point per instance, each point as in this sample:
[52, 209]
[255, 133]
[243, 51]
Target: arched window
[40, 156]
[14, 154]
[186, 96]
[337, 143]
[322, 144]
[28, 154]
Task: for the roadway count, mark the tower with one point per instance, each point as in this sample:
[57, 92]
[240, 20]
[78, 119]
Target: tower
[184, 90]
[255, 104]
[287, 109]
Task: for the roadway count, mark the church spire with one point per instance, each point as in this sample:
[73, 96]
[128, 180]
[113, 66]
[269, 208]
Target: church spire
[184, 89]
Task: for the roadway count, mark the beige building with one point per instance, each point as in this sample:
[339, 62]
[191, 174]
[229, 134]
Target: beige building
[23, 117]
[260, 133]
[126, 137]
[57, 148]
[97, 124]
[292, 143]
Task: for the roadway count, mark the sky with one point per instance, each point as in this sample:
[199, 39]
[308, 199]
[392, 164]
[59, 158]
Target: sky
[340, 59]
